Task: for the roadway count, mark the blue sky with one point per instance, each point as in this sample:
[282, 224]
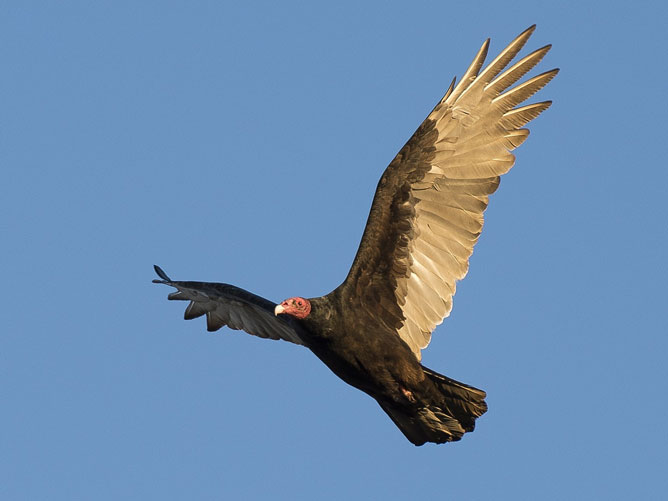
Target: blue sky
[242, 144]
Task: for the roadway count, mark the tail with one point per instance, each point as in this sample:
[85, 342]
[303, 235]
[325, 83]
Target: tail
[447, 411]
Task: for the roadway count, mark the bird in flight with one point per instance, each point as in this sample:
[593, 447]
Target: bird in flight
[426, 216]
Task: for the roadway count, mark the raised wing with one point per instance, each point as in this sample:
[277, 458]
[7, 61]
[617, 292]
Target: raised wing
[427, 212]
[225, 304]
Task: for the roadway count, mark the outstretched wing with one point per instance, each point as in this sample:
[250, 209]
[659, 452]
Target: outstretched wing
[225, 304]
[427, 212]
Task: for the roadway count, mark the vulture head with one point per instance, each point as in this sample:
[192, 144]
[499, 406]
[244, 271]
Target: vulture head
[298, 307]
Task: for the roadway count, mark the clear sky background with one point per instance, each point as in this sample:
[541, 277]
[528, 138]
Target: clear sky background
[242, 143]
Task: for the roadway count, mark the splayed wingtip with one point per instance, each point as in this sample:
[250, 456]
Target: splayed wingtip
[161, 274]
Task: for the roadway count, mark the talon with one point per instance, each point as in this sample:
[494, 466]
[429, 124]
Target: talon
[407, 394]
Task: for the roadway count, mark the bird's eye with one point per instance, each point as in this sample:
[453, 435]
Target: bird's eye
[299, 303]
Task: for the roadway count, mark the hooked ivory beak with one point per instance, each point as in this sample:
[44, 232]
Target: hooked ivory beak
[278, 310]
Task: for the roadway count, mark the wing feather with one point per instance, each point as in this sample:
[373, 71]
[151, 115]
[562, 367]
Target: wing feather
[227, 305]
[427, 212]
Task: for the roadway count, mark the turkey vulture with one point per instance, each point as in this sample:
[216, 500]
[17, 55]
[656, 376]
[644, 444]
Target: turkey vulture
[426, 217]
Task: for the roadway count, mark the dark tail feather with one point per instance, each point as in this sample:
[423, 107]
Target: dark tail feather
[461, 401]
[427, 424]
[448, 411]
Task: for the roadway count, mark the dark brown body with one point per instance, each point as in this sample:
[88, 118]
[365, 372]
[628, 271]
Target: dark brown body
[381, 364]
[377, 362]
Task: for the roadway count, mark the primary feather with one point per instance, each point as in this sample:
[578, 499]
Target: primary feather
[426, 217]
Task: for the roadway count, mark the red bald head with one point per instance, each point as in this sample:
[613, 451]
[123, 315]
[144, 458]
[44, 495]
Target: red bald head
[296, 306]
